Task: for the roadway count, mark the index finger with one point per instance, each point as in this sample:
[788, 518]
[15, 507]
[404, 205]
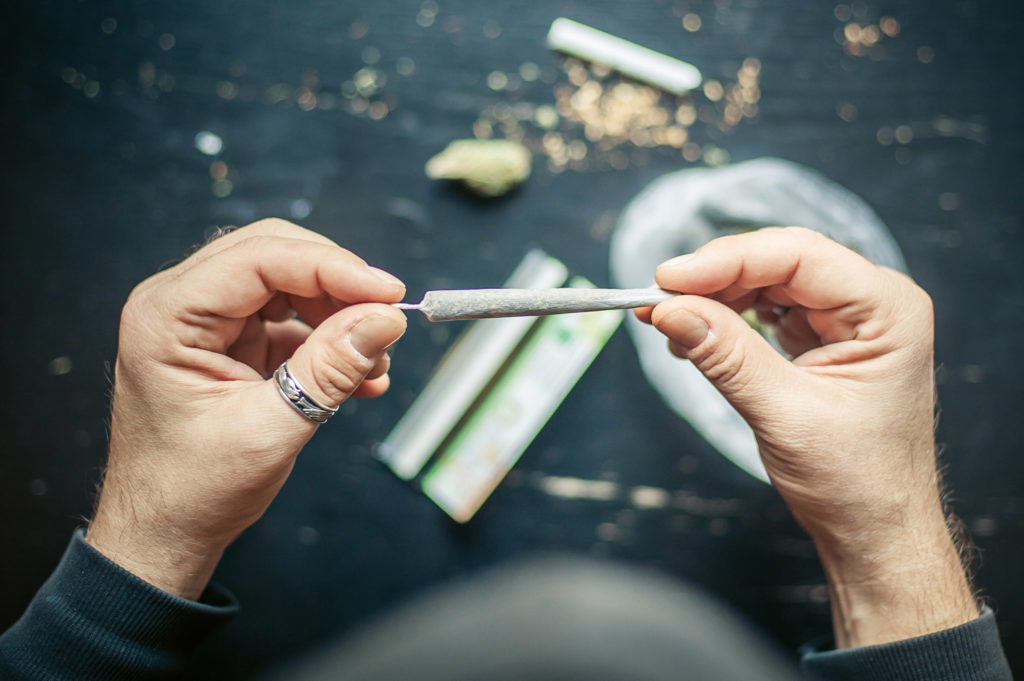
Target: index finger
[236, 281]
[798, 263]
[265, 227]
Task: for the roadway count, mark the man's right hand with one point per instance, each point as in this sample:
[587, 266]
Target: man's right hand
[200, 439]
[845, 428]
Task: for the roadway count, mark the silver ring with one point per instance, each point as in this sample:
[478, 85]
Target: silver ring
[295, 395]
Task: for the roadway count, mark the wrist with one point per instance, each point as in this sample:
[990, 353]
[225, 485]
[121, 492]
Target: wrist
[176, 565]
[892, 585]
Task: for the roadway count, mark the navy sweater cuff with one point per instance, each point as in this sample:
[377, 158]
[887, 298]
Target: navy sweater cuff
[969, 652]
[94, 620]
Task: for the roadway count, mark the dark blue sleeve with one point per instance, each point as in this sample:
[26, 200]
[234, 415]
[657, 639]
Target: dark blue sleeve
[93, 620]
[970, 652]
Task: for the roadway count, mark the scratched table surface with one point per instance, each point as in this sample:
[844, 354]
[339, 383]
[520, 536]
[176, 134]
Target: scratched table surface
[132, 129]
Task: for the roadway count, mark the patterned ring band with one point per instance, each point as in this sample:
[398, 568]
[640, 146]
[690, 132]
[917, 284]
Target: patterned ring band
[294, 394]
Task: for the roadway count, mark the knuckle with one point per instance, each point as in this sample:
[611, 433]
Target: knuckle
[338, 377]
[923, 302]
[134, 298]
[922, 298]
[678, 350]
[912, 297]
[271, 227]
[253, 246]
[802, 235]
[723, 364]
[139, 304]
[381, 367]
[140, 332]
[254, 242]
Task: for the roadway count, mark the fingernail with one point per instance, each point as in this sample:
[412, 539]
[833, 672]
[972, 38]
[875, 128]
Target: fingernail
[387, 277]
[680, 260]
[372, 336]
[685, 328]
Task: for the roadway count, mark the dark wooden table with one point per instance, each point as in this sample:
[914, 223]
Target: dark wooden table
[103, 183]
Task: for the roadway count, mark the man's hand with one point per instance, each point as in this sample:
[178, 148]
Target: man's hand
[845, 428]
[200, 440]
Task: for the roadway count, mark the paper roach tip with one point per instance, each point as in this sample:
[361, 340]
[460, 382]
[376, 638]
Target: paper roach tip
[636, 61]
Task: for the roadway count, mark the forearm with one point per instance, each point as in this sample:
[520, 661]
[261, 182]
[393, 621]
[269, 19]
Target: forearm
[176, 565]
[904, 608]
[904, 582]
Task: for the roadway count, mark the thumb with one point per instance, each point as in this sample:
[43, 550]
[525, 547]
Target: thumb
[738, 361]
[337, 356]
